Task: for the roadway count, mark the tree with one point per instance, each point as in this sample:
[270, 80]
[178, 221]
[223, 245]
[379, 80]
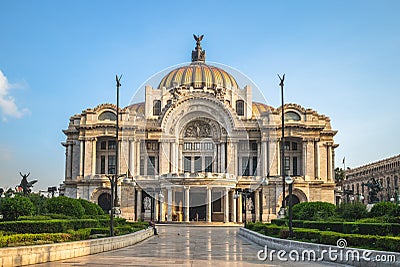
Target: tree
[340, 175]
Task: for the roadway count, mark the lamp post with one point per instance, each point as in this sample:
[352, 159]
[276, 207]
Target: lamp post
[113, 178]
[245, 193]
[289, 180]
[281, 84]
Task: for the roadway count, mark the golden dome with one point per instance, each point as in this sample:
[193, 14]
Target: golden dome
[198, 75]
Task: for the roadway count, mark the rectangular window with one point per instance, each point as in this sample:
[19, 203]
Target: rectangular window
[197, 146]
[240, 107]
[111, 145]
[253, 145]
[111, 165]
[103, 145]
[255, 166]
[208, 163]
[245, 166]
[295, 171]
[151, 163]
[208, 146]
[141, 166]
[287, 164]
[287, 145]
[187, 146]
[294, 146]
[198, 164]
[103, 164]
[187, 164]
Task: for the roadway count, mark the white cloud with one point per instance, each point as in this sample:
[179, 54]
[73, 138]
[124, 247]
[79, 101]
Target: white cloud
[8, 108]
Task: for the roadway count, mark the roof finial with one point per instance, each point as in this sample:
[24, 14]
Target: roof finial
[198, 55]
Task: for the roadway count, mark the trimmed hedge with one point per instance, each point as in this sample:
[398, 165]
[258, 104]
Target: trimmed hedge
[383, 229]
[385, 243]
[64, 205]
[49, 226]
[31, 239]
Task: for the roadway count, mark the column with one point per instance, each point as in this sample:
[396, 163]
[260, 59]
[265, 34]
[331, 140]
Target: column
[257, 204]
[330, 167]
[187, 203]
[156, 207]
[233, 201]
[226, 208]
[132, 158]
[264, 162]
[316, 160]
[162, 210]
[137, 160]
[223, 160]
[240, 212]
[164, 156]
[235, 158]
[218, 160]
[180, 158]
[208, 211]
[94, 156]
[139, 204]
[304, 158]
[259, 159]
[81, 159]
[172, 162]
[68, 171]
[169, 203]
[230, 158]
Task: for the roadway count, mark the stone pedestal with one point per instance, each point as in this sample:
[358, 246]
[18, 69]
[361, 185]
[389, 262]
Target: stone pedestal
[147, 215]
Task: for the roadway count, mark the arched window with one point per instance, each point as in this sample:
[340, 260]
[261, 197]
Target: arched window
[156, 107]
[292, 116]
[240, 107]
[107, 115]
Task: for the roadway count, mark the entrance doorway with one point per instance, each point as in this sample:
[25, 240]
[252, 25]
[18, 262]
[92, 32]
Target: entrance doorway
[104, 202]
[197, 206]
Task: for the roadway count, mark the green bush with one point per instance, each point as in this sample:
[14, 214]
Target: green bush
[382, 209]
[352, 211]
[64, 205]
[314, 211]
[38, 201]
[12, 208]
[90, 207]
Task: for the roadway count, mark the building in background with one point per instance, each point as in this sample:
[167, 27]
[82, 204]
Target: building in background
[195, 141]
[386, 172]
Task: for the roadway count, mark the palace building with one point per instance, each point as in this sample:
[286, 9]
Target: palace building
[386, 172]
[192, 148]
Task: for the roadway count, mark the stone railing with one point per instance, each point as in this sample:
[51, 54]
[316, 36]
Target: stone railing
[25, 255]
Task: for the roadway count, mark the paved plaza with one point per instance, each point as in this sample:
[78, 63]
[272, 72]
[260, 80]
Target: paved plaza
[181, 245]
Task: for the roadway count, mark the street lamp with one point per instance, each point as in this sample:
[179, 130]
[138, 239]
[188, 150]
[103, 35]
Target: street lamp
[245, 193]
[113, 178]
[281, 84]
[289, 180]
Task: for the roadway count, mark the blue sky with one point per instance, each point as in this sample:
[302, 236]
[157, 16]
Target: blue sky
[57, 58]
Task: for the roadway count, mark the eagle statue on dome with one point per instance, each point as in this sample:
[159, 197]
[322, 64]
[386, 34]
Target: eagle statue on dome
[198, 38]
